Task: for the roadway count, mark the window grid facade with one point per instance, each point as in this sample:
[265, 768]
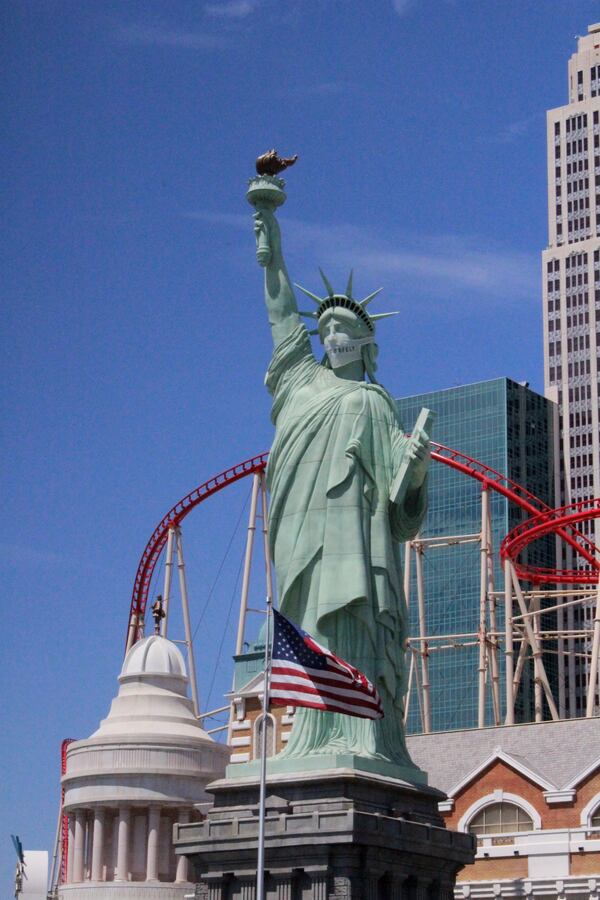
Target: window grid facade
[508, 427]
[571, 291]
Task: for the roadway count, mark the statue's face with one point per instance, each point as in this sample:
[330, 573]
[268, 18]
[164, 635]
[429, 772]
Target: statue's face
[342, 321]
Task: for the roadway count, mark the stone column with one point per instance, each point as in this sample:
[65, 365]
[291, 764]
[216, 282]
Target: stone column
[398, 888]
[181, 874]
[122, 873]
[248, 889]
[98, 846]
[152, 855]
[214, 887]
[422, 891]
[283, 886]
[318, 883]
[70, 848]
[79, 848]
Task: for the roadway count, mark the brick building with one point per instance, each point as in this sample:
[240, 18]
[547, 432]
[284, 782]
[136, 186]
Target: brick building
[531, 794]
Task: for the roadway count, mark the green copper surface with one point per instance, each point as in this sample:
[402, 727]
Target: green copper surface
[334, 531]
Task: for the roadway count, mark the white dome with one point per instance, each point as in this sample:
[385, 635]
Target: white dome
[153, 655]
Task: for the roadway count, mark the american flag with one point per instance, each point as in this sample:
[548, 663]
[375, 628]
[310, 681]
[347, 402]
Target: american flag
[305, 674]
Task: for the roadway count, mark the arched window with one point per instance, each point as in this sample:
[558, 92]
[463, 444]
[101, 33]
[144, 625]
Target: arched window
[258, 727]
[500, 818]
[595, 818]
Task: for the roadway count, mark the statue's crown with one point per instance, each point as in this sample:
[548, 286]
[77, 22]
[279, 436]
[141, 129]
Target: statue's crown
[345, 301]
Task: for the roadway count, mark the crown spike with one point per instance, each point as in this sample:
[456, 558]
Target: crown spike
[368, 299]
[318, 300]
[349, 285]
[327, 283]
[383, 316]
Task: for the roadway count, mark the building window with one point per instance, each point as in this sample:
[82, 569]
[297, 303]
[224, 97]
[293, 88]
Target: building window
[500, 818]
[258, 727]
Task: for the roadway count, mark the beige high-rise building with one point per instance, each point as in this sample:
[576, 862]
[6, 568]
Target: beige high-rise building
[571, 276]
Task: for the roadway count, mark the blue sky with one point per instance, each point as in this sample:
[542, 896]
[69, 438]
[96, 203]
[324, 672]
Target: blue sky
[135, 336]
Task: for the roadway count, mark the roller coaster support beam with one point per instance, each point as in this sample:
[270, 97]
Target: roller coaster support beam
[185, 608]
[134, 629]
[259, 488]
[168, 580]
[239, 643]
[424, 649]
[509, 653]
[264, 513]
[593, 678]
[540, 672]
[482, 632]
[407, 560]
[538, 699]
[491, 597]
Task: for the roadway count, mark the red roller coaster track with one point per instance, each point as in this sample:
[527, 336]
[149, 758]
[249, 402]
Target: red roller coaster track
[551, 521]
[489, 478]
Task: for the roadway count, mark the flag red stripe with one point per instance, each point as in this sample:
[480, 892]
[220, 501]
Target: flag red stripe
[325, 678]
[341, 677]
[357, 698]
[326, 707]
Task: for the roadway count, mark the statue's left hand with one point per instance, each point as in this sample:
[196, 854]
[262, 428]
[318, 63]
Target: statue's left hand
[419, 454]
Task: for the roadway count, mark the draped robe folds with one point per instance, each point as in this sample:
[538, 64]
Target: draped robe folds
[334, 537]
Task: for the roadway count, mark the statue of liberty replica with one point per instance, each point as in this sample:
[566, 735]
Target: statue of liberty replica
[341, 811]
[336, 517]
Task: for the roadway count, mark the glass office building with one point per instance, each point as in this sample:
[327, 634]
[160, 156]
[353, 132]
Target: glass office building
[508, 427]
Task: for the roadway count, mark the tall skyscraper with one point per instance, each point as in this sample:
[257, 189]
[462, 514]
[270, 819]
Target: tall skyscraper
[571, 290]
[510, 428]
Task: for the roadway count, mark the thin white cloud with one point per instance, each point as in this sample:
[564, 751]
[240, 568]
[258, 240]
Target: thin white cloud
[402, 6]
[156, 36]
[25, 555]
[231, 9]
[438, 267]
[518, 129]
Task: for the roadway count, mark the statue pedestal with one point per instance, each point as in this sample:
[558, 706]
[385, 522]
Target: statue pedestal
[331, 834]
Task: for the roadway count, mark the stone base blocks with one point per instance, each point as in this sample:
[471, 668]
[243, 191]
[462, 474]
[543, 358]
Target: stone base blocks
[332, 835]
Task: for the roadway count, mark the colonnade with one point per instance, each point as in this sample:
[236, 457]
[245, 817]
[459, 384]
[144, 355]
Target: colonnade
[124, 845]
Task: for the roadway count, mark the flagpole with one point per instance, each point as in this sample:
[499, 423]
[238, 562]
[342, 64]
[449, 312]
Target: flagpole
[260, 870]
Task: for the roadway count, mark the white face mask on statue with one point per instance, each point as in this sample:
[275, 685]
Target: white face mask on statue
[342, 349]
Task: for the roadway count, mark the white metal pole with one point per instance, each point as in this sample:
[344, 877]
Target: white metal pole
[561, 645]
[538, 697]
[57, 855]
[260, 869]
[407, 558]
[535, 646]
[593, 676]
[492, 638]
[521, 659]
[508, 645]
[264, 508]
[168, 579]
[186, 622]
[132, 632]
[482, 612]
[423, 642]
[239, 641]
[239, 644]
[411, 669]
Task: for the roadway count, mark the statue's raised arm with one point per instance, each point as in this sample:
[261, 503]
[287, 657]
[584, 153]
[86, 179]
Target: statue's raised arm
[266, 193]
